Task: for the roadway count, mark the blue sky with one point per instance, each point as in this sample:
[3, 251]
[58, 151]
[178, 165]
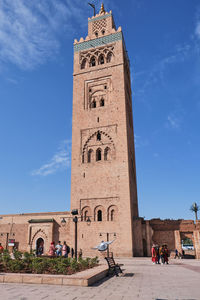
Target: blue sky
[36, 65]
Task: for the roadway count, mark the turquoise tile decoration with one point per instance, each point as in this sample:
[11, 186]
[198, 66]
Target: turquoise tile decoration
[99, 18]
[98, 42]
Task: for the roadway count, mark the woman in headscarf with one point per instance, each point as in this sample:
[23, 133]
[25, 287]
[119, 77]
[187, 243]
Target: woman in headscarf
[154, 254]
[52, 249]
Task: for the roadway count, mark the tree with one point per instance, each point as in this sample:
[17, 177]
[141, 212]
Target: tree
[195, 208]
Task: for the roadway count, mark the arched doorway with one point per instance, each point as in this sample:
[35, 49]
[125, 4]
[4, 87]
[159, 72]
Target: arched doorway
[144, 247]
[39, 246]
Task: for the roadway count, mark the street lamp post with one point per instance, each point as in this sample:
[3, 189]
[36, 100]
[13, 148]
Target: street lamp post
[74, 212]
[75, 220]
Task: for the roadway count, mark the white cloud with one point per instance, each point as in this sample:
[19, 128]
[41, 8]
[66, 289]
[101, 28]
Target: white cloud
[29, 30]
[173, 121]
[197, 30]
[60, 161]
[140, 142]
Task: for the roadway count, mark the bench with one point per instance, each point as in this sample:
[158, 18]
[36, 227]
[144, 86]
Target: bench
[113, 267]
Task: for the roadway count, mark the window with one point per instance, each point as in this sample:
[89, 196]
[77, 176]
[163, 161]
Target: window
[86, 215]
[98, 154]
[83, 65]
[99, 215]
[103, 32]
[96, 33]
[98, 136]
[101, 59]
[93, 104]
[109, 57]
[93, 62]
[90, 154]
[107, 154]
[102, 102]
[112, 215]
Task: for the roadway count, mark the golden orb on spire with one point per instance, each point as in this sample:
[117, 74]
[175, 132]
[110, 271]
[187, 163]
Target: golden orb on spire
[102, 11]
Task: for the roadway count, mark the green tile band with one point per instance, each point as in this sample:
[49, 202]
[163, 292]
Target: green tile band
[98, 42]
[99, 18]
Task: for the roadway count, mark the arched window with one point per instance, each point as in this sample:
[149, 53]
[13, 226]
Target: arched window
[93, 104]
[86, 215]
[107, 153]
[98, 136]
[96, 33]
[101, 59]
[102, 102]
[90, 155]
[112, 215]
[103, 31]
[98, 154]
[109, 57]
[83, 65]
[93, 62]
[83, 159]
[99, 215]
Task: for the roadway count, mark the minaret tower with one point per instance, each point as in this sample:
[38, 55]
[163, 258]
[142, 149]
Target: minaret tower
[103, 176]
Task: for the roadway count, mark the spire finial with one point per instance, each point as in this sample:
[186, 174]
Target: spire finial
[102, 11]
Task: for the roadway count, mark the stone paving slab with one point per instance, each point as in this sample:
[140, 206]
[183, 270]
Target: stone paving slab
[180, 280]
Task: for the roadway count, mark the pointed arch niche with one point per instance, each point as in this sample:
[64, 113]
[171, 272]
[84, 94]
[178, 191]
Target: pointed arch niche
[112, 213]
[99, 214]
[98, 147]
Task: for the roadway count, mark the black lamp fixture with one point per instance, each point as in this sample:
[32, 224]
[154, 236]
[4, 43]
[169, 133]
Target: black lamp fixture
[63, 222]
[88, 221]
[74, 212]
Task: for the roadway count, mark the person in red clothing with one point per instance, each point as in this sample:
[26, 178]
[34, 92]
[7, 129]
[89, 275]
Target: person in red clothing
[52, 249]
[1, 248]
[154, 254]
[166, 254]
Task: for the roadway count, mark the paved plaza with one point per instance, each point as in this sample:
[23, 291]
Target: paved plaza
[142, 280]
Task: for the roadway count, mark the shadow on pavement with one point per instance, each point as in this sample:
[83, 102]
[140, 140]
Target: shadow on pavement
[111, 276]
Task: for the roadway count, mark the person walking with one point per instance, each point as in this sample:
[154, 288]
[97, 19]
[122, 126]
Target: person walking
[64, 250]
[72, 252]
[40, 249]
[162, 254]
[176, 254]
[166, 254]
[158, 254]
[59, 249]
[80, 253]
[154, 254]
[52, 249]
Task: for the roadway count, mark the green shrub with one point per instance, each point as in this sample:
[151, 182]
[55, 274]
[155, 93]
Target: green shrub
[74, 264]
[94, 261]
[84, 262]
[27, 262]
[17, 254]
[5, 257]
[15, 266]
[39, 265]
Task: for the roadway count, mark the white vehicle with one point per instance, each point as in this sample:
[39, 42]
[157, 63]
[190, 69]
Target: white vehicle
[187, 247]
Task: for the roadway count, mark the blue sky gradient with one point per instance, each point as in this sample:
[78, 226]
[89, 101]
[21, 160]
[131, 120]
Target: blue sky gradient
[36, 66]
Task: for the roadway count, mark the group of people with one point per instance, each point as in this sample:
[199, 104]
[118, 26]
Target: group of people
[160, 253]
[62, 250]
